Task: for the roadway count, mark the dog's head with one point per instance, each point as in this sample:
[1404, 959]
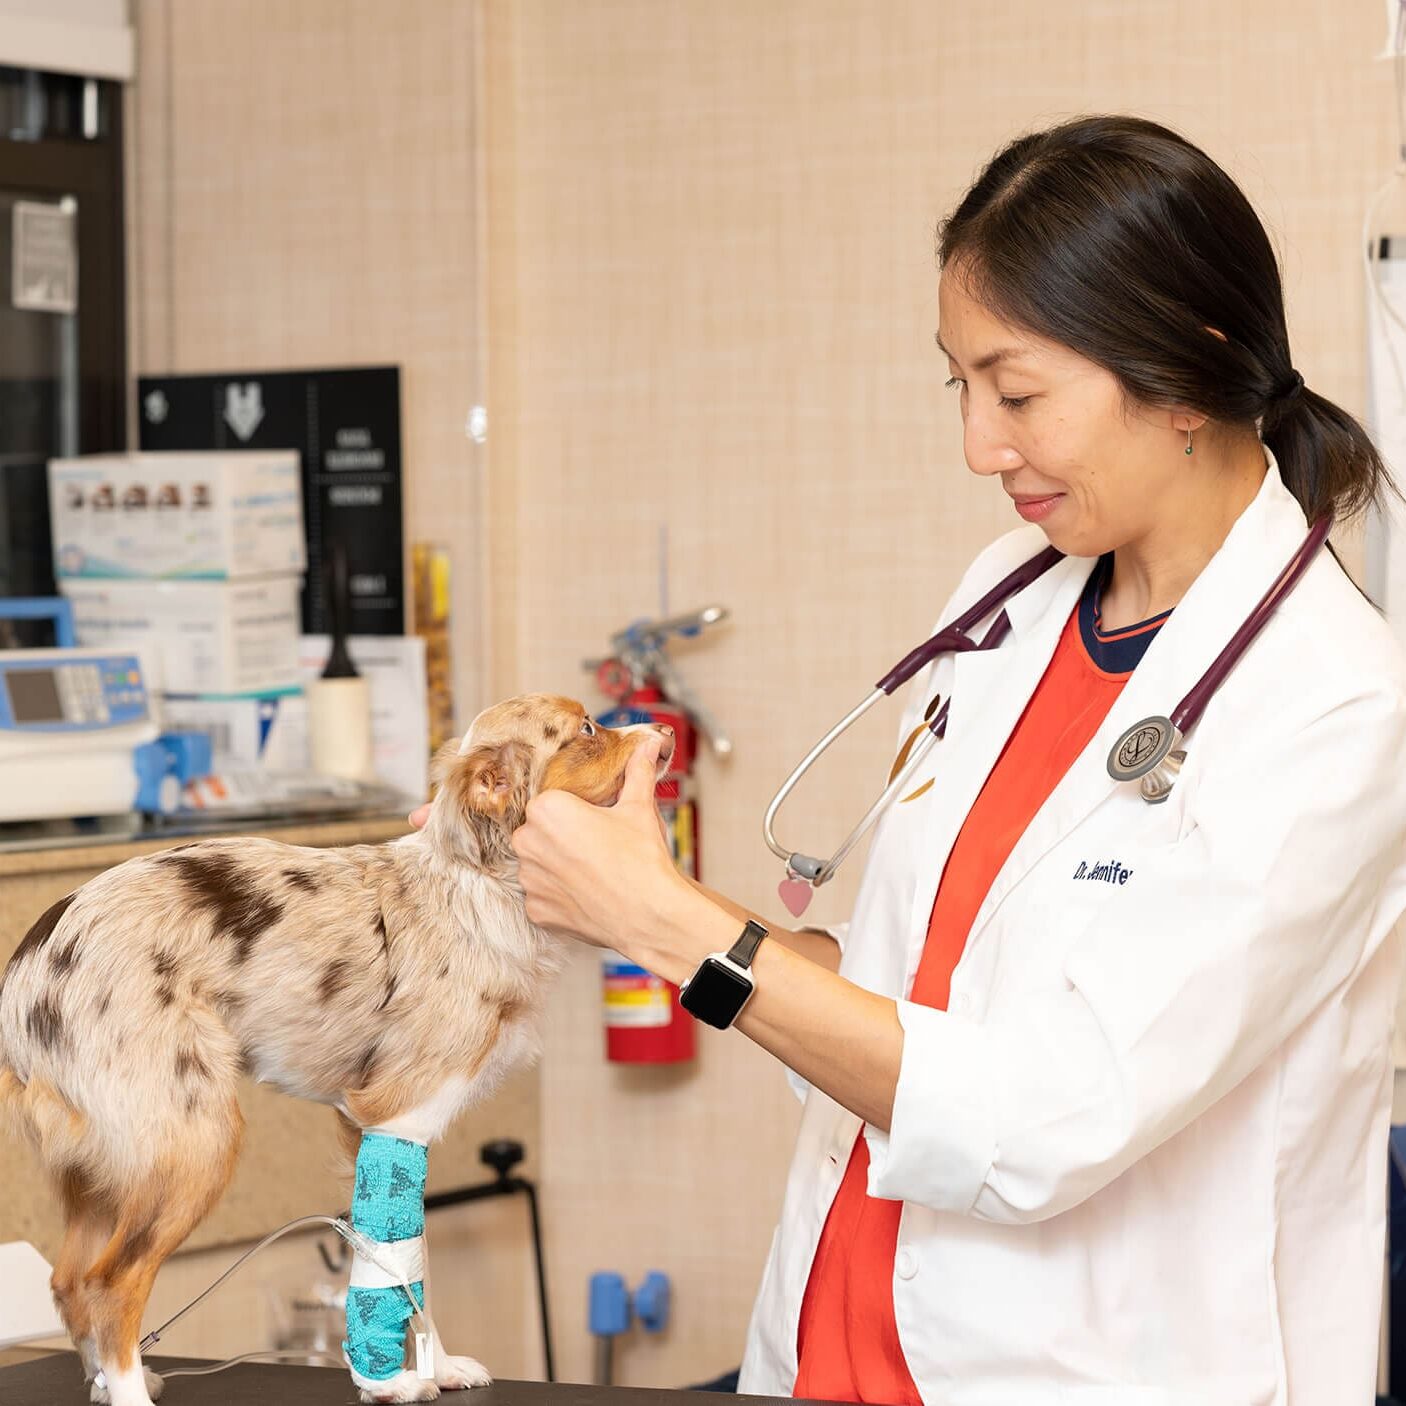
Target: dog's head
[513, 751]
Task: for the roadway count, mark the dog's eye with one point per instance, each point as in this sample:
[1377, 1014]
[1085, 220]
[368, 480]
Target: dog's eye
[588, 728]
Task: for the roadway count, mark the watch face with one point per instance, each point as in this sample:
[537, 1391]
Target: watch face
[716, 994]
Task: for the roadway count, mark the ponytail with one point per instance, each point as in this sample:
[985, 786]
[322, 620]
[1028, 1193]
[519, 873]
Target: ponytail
[1326, 459]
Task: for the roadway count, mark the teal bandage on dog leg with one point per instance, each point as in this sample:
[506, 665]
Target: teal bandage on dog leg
[388, 1203]
[376, 1320]
[388, 1207]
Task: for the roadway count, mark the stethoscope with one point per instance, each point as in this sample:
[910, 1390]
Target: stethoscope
[1150, 752]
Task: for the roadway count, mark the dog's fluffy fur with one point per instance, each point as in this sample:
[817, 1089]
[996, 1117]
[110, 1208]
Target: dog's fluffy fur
[396, 982]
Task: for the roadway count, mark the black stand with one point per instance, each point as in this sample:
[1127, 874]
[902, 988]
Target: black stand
[503, 1156]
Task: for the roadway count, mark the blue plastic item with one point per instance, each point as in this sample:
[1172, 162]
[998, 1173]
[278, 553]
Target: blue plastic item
[55, 608]
[182, 755]
[188, 753]
[652, 1301]
[609, 1305]
[150, 764]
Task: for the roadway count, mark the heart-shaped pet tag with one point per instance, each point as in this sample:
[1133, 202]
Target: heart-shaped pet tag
[795, 894]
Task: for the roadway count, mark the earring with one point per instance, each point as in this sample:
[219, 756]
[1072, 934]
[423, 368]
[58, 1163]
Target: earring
[1188, 440]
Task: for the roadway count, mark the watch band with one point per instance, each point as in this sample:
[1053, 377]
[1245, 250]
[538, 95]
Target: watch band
[745, 948]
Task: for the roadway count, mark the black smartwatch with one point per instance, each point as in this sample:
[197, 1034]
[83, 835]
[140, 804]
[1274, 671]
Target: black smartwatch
[723, 983]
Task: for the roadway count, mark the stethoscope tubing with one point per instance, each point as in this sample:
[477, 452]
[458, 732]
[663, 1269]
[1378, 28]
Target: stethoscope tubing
[955, 639]
[1189, 710]
[818, 871]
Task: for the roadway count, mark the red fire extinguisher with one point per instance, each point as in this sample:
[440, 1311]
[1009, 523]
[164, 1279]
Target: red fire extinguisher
[644, 1022]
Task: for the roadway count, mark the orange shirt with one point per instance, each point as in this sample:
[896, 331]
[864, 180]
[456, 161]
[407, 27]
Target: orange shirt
[847, 1343]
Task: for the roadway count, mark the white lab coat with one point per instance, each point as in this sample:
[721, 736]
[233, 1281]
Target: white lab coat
[1143, 1154]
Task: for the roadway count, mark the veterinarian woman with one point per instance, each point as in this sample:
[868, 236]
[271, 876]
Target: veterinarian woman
[1099, 1092]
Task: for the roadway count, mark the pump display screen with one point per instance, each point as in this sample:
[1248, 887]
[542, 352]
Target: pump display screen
[34, 695]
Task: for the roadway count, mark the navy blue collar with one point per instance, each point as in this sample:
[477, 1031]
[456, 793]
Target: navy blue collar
[1113, 651]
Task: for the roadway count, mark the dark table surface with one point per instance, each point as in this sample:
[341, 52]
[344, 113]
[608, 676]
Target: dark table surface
[58, 1380]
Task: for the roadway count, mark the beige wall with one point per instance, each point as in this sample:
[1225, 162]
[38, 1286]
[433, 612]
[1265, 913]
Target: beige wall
[709, 301]
[303, 194]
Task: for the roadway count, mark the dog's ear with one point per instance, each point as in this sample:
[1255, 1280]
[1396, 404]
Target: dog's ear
[493, 780]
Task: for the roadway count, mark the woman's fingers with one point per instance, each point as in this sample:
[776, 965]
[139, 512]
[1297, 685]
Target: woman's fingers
[419, 817]
[549, 816]
[641, 773]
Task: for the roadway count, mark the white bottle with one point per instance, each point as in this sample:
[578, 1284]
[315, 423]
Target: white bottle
[339, 727]
[339, 703]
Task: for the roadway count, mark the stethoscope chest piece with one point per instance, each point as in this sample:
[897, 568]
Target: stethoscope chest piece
[1151, 752]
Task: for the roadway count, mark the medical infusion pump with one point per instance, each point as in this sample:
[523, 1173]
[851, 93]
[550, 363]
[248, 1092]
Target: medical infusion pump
[70, 721]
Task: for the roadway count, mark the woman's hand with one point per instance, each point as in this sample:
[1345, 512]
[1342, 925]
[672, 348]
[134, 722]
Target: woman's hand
[602, 874]
[556, 815]
[605, 875]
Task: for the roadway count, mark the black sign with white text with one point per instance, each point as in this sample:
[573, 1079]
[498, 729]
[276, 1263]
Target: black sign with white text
[346, 425]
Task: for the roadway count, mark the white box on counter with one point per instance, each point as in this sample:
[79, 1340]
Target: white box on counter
[225, 637]
[181, 515]
[270, 733]
[262, 731]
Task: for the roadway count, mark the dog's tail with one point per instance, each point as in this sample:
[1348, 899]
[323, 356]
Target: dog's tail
[11, 1096]
[17, 1103]
[16, 1096]
[12, 1088]
[57, 1131]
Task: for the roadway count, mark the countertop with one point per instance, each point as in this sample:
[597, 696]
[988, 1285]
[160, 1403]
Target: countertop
[56, 1380]
[30, 849]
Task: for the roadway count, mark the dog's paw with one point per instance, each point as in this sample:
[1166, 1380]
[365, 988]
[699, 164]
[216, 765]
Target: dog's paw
[404, 1386]
[101, 1396]
[460, 1373]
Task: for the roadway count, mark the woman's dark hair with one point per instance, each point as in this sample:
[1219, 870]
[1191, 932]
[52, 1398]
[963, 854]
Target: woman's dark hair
[1121, 240]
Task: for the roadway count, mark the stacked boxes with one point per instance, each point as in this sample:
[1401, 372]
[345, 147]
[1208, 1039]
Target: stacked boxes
[198, 555]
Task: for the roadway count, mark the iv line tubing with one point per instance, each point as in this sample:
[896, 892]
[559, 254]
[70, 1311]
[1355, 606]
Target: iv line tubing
[357, 1241]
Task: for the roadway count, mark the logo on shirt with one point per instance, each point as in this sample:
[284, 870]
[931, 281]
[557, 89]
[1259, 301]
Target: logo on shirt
[1109, 873]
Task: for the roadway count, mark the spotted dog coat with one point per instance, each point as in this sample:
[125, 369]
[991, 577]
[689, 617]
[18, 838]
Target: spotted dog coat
[395, 982]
